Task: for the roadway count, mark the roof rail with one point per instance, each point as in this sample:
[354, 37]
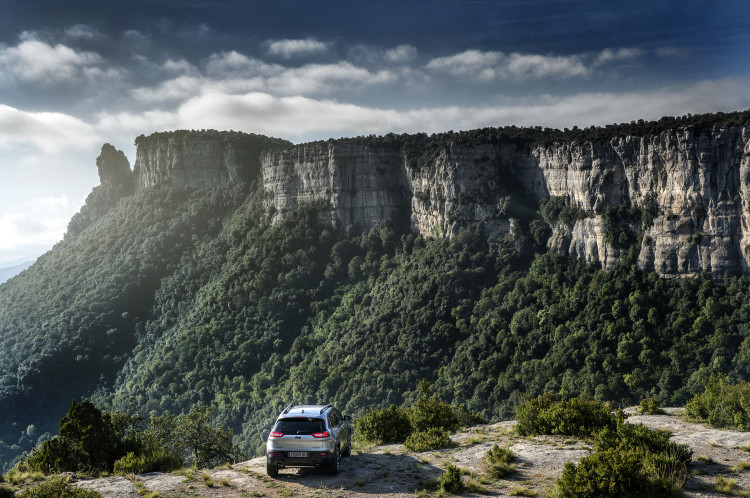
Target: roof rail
[325, 408]
[286, 410]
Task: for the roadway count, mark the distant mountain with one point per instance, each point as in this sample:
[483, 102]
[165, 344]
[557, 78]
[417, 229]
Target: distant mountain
[11, 271]
[244, 273]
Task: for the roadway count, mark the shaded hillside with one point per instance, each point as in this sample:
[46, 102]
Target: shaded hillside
[172, 297]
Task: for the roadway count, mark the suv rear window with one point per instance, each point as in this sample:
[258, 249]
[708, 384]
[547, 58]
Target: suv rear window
[299, 426]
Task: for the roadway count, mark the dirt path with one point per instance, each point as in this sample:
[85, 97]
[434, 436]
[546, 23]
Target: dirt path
[391, 470]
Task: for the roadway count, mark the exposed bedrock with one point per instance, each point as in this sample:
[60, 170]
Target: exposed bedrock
[698, 183]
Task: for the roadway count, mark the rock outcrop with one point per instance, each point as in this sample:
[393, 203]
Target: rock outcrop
[698, 183]
[114, 169]
[695, 181]
[199, 159]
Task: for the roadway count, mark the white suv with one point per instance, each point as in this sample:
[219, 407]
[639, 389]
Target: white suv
[308, 436]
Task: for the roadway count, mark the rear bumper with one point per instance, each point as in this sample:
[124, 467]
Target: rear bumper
[314, 459]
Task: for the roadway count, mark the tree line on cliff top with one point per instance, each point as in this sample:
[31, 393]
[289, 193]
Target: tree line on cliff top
[178, 298]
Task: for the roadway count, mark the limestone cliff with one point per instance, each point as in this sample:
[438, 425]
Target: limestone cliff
[696, 180]
[199, 159]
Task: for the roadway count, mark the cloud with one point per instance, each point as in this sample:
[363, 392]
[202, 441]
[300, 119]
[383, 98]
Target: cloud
[469, 63]
[49, 131]
[34, 60]
[293, 48]
[401, 53]
[233, 73]
[487, 66]
[82, 31]
[302, 118]
[60, 204]
[608, 55]
[23, 233]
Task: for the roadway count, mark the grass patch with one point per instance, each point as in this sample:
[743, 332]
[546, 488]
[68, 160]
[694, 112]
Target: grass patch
[499, 462]
[729, 487]
[17, 477]
[705, 459]
[741, 466]
[522, 491]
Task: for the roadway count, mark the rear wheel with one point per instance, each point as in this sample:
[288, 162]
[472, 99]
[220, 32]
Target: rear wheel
[271, 469]
[348, 451]
[333, 468]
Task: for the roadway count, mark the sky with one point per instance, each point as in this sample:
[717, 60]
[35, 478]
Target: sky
[76, 74]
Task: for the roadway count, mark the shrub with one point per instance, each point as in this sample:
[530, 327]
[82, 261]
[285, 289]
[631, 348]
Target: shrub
[722, 404]
[499, 462]
[57, 487]
[386, 425]
[572, 417]
[450, 480]
[427, 412]
[466, 418]
[131, 464]
[650, 406]
[431, 439]
[610, 473]
[7, 492]
[628, 460]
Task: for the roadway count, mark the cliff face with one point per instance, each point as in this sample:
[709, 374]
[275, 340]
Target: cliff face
[697, 183]
[362, 186]
[199, 159]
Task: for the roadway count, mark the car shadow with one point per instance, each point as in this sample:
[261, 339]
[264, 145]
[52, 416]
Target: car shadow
[368, 473]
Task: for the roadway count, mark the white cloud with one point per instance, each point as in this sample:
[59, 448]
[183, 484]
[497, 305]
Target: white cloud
[469, 63]
[488, 66]
[540, 66]
[59, 204]
[292, 48]
[233, 73]
[608, 55]
[130, 124]
[21, 233]
[49, 131]
[326, 79]
[302, 118]
[82, 31]
[34, 60]
[401, 53]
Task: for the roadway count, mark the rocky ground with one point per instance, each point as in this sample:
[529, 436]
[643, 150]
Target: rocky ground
[392, 470]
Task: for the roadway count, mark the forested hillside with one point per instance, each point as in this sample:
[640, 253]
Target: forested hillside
[175, 297]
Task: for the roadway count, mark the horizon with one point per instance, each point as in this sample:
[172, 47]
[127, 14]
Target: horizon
[78, 76]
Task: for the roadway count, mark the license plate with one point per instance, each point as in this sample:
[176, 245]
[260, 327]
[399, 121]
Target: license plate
[298, 454]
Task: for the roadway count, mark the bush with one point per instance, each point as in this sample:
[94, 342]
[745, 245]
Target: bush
[650, 406]
[722, 404]
[628, 460]
[7, 492]
[431, 439]
[57, 487]
[466, 418]
[499, 462]
[610, 473]
[427, 412]
[450, 480]
[388, 425]
[572, 417]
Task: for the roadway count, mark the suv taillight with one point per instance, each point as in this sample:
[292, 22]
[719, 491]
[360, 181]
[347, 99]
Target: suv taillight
[276, 434]
[321, 434]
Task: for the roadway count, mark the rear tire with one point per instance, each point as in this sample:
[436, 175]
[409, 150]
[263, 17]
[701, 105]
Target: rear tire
[271, 469]
[348, 451]
[334, 467]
